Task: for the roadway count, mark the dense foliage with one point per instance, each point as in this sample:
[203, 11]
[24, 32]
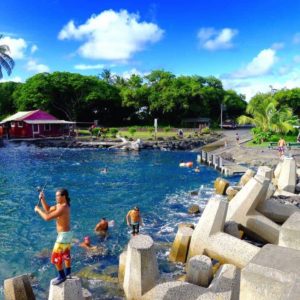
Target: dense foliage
[114, 100]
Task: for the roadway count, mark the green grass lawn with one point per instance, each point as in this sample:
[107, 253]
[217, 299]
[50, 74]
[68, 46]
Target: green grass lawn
[288, 138]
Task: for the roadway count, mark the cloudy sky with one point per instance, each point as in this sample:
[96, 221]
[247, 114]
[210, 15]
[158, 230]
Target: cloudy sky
[249, 45]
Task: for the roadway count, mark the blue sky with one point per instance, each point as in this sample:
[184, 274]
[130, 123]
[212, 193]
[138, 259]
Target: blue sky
[249, 45]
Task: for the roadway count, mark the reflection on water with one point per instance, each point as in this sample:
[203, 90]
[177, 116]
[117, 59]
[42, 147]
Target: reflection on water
[150, 179]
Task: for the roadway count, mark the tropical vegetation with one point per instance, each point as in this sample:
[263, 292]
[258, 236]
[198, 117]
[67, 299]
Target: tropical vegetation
[6, 62]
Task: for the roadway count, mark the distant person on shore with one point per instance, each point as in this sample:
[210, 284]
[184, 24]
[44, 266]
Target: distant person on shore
[61, 213]
[134, 220]
[180, 133]
[281, 144]
[102, 227]
[237, 138]
[298, 138]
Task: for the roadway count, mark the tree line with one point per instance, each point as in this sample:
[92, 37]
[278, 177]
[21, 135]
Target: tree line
[114, 100]
[137, 100]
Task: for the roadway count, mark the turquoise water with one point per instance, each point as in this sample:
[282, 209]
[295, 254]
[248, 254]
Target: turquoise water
[150, 179]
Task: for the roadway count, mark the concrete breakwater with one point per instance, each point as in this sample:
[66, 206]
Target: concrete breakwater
[216, 161]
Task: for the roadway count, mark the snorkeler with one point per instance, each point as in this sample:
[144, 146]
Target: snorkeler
[61, 213]
[134, 220]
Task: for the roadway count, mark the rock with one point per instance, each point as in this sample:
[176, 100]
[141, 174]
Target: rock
[18, 288]
[246, 177]
[190, 225]
[221, 185]
[297, 188]
[181, 244]
[86, 294]
[199, 270]
[194, 209]
[194, 193]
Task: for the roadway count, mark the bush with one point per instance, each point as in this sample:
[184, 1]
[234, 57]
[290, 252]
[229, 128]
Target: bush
[167, 129]
[205, 130]
[132, 130]
[95, 131]
[113, 132]
[150, 129]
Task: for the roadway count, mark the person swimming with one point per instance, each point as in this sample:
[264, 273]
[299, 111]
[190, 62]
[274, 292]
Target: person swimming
[104, 170]
[197, 169]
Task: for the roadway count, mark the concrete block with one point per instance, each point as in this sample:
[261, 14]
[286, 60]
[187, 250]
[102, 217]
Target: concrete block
[141, 271]
[204, 156]
[69, 290]
[276, 211]
[226, 283]
[277, 170]
[122, 265]
[180, 246]
[271, 190]
[246, 177]
[199, 270]
[242, 210]
[86, 294]
[175, 290]
[273, 274]
[289, 235]
[265, 172]
[208, 237]
[287, 176]
[221, 185]
[18, 288]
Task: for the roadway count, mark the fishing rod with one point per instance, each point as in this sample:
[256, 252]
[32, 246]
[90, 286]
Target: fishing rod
[41, 189]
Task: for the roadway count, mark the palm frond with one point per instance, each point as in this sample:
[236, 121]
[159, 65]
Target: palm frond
[5, 65]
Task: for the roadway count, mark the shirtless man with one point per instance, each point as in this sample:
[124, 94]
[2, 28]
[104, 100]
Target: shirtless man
[281, 144]
[61, 213]
[102, 227]
[134, 220]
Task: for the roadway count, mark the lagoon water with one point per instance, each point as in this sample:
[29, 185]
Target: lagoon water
[150, 179]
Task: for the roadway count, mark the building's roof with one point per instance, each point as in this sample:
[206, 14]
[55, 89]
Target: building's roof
[18, 116]
[48, 122]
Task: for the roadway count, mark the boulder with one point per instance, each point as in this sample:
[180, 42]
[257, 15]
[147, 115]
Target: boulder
[18, 288]
[199, 270]
[221, 185]
[194, 209]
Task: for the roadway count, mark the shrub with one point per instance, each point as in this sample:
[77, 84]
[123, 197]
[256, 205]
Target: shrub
[132, 130]
[205, 130]
[167, 129]
[113, 132]
[95, 131]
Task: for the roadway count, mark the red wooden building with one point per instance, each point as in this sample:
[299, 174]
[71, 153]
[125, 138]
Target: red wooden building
[34, 124]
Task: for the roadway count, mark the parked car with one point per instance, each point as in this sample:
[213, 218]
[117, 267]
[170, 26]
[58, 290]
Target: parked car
[229, 124]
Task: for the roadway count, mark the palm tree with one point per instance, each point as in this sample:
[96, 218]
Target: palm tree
[6, 61]
[266, 117]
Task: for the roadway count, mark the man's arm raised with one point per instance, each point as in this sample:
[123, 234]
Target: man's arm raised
[51, 215]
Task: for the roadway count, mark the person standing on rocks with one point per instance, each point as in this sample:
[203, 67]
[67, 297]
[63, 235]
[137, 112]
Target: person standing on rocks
[134, 220]
[237, 138]
[61, 213]
[281, 144]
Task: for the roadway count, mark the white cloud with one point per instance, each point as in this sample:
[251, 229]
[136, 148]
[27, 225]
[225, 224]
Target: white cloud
[296, 38]
[89, 67]
[33, 66]
[212, 39]
[112, 35]
[277, 46]
[16, 46]
[34, 48]
[15, 79]
[127, 74]
[260, 65]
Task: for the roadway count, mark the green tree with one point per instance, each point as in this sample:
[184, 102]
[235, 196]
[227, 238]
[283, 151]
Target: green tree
[267, 117]
[7, 104]
[6, 61]
[289, 98]
[235, 104]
